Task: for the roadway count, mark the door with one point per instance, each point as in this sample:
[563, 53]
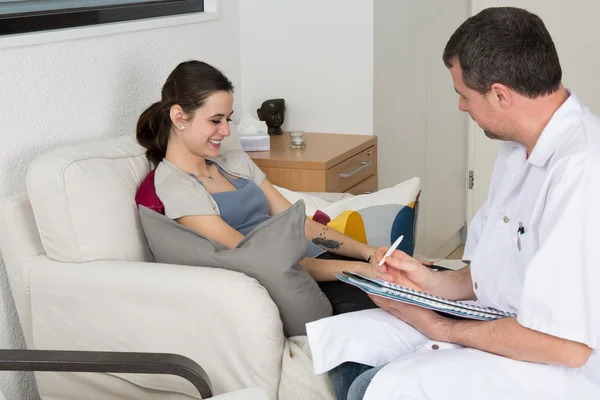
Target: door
[482, 153]
[573, 26]
[420, 130]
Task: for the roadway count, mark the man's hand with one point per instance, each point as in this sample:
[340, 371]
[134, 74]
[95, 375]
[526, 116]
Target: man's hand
[402, 269]
[428, 322]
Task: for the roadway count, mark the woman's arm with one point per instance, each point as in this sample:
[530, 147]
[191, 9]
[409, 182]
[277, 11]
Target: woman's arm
[321, 235]
[336, 242]
[213, 226]
[325, 270]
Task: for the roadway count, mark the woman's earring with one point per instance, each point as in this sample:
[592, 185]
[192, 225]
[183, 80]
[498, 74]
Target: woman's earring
[180, 126]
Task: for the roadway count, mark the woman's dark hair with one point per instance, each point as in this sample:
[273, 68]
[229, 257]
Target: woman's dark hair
[505, 45]
[188, 86]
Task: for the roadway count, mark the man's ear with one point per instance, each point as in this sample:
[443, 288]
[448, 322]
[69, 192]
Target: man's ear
[501, 95]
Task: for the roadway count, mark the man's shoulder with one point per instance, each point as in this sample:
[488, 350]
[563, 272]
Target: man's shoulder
[590, 130]
[581, 140]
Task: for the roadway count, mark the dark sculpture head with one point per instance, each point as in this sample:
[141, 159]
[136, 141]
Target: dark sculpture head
[273, 113]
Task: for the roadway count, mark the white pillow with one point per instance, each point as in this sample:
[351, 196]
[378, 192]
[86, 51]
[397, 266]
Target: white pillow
[312, 202]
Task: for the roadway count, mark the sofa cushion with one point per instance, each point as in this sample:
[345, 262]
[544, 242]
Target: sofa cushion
[269, 253]
[82, 197]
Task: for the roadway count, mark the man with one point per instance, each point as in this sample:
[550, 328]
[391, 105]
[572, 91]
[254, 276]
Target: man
[533, 248]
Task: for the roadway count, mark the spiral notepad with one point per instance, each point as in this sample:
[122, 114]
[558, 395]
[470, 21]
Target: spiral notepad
[403, 294]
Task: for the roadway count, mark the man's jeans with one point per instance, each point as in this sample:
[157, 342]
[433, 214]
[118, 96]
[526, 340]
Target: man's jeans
[350, 380]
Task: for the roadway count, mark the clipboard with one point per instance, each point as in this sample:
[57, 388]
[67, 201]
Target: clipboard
[406, 295]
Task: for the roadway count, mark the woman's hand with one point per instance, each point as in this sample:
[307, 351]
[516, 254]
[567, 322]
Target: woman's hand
[402, 269]
[364, 269]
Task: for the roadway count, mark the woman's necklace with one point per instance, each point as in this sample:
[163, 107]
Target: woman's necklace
[202, 176]
[210, 176]
[207, 176]
[208, 164]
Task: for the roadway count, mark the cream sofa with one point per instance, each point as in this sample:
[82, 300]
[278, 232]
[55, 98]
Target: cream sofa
[83, 278]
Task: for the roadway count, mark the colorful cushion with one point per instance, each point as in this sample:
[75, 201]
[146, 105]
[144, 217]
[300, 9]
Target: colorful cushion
[376, 218]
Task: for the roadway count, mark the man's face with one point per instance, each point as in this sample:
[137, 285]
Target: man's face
[477, 105]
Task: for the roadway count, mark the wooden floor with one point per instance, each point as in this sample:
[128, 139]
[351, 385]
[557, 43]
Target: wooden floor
[457, 254]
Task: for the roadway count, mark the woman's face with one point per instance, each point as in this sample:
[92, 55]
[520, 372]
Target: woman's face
[205, 130]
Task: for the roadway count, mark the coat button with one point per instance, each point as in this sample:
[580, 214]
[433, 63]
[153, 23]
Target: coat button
[506, 219]
[435, 347]
[476, 286]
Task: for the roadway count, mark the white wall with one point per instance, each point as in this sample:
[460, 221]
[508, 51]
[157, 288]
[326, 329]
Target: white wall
[77, 90]
[316, 54]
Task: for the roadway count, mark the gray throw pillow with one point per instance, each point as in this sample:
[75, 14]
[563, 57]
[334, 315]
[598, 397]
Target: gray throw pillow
[269, 253]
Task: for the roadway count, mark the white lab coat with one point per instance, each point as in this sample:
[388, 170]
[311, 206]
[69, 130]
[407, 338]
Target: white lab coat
[548, 273]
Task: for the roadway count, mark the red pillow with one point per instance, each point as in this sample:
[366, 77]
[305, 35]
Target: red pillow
[146, 195]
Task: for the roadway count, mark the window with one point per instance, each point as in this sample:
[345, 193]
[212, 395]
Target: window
[23, 16]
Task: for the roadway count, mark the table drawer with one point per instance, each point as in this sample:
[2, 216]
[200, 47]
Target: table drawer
[369, 185]
[352, 171]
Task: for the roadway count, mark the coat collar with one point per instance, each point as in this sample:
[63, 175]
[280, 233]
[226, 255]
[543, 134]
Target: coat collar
[555, 133]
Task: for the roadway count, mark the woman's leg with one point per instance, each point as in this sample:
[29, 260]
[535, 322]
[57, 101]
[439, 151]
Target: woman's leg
[343, 297]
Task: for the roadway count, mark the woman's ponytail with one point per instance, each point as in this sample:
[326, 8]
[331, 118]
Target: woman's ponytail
[152, 132]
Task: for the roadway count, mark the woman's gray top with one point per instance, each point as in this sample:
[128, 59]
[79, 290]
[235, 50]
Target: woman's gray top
[243, 209]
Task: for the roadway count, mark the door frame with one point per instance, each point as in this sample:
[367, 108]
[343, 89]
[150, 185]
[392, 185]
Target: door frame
[471, 126]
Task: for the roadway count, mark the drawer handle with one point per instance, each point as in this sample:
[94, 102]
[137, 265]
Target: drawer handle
[363, 165]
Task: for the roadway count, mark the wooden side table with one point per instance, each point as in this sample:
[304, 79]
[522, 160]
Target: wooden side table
[328, 163]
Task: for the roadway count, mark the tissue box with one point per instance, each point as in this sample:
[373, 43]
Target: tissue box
[255, 142]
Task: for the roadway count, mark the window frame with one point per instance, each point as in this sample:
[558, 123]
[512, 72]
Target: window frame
[11, 24]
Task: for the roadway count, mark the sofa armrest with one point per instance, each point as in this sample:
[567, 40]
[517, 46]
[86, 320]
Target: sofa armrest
[223, 320]
[96, 361]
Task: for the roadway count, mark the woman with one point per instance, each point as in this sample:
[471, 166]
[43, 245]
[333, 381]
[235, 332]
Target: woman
[225, 196]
